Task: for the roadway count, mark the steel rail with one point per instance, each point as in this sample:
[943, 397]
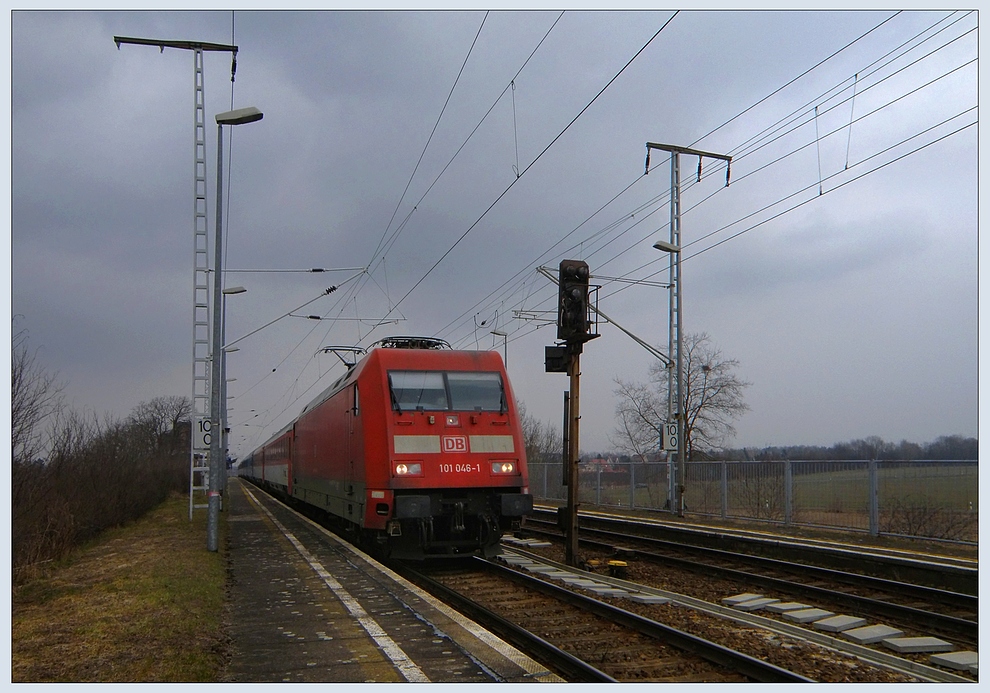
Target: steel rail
[746, 665]
[799, 632]
[944, 624]
[961, 580]
[934, 594]
[564, 663]
[712, 652]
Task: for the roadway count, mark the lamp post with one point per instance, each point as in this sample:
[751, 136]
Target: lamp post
[676, 404]
[225, 429]
[675, 476]
[240, 116]
[224, 350]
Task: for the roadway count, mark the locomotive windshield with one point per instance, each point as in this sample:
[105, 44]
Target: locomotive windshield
[475, 391]
[446, 391]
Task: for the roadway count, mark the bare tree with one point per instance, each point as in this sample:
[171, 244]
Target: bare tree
[640, 413]
[99, 473]
[544, 449]
[543, 441]
[35, 395]
[158, 422]
[713, 397]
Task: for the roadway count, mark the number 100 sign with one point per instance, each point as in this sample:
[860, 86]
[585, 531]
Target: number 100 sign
[201, 434]
[669, 437]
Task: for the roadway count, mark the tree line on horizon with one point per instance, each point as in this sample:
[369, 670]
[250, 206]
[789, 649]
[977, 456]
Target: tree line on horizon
[943, 448]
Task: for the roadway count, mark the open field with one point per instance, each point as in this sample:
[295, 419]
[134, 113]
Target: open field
[928, 500]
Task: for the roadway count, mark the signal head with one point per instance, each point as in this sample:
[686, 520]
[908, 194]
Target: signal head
[572, 307]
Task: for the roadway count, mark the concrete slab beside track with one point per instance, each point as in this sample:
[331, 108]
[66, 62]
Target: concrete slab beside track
[304, 606]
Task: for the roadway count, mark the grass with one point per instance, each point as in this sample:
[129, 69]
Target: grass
[143, 603]
[837, 491]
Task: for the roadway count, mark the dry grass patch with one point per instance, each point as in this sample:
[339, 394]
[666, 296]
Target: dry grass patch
[141, 604]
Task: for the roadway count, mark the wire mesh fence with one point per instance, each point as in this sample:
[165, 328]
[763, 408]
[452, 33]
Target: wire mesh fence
[925, 499]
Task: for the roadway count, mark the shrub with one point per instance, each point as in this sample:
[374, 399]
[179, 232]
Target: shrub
[98, 475]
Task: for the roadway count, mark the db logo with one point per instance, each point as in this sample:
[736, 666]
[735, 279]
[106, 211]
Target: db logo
[455, 444]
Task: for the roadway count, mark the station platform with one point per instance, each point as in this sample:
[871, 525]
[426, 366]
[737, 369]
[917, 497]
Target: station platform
[305, 606]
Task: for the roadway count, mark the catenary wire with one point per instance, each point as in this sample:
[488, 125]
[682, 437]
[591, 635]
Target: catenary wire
[901, 143]
[528, 268]
[604, 231]
[533, 162]
[352, 293]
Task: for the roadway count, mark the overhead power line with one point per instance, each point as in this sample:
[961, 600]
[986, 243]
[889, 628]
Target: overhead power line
[520, 174]
[544, 256]
[429, 139]
[498, 296]
[519, 287]
[533, 162]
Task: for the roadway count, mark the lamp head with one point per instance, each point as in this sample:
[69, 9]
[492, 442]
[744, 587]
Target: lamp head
[666, 247]
[239, 116]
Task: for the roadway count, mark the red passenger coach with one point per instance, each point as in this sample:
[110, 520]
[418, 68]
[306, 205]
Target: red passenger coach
[417, 449]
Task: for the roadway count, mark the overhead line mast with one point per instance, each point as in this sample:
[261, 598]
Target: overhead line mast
[200, 415]
[676, 408]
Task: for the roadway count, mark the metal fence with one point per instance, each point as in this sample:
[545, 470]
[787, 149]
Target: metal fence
[926, 499]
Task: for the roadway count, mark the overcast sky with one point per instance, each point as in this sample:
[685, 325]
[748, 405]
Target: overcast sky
[453, 153]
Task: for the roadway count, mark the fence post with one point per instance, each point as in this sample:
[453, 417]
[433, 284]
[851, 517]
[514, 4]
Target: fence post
[632, 485]
[874, 500]
[725, 489]
[788, 492]
[671, 485]
[598, 489]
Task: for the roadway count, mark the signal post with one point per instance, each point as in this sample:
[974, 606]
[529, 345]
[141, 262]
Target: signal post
[573, 455]
[574, 329]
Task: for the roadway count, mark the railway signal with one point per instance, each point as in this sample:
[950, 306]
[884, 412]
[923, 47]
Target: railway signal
[555, 359]
[574, 329]
[572, 304]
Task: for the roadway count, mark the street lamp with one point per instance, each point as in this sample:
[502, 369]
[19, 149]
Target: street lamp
[675, 403]
[676, 338]
[240, 116]
[666, 247]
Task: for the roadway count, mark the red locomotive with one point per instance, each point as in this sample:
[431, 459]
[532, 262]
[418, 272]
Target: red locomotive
[417, 450]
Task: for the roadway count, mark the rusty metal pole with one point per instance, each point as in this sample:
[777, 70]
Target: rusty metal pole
[573, 453]
[573, 328]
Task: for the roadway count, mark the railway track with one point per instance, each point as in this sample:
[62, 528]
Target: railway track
[805, 650]
[686, 638]
[586, 639]
[941, 572]
[914, 607]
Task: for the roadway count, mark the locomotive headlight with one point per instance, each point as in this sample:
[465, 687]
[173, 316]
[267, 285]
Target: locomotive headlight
[408, 469]
[503, 468]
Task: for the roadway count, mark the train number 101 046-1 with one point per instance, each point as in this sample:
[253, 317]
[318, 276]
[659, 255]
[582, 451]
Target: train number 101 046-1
[459, 468]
